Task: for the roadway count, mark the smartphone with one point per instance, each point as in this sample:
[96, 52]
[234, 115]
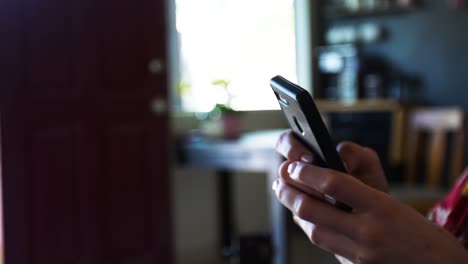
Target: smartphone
[307, 125]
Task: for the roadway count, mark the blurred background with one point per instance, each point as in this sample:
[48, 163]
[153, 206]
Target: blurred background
[144, 131]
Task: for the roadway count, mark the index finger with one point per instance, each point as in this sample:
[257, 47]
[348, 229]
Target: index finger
[292, 149]
[340, 186]
[284, 175]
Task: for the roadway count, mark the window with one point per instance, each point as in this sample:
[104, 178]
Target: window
[241, 44]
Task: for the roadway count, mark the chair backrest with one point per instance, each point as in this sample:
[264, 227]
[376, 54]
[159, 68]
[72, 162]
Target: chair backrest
[437, 123]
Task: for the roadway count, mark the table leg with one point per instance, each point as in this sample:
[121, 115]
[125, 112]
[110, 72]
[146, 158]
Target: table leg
[225, 214]
[278, 216]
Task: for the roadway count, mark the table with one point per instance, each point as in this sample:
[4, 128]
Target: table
[253, 153]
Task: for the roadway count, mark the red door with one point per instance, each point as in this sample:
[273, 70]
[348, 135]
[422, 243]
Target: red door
[84, 156]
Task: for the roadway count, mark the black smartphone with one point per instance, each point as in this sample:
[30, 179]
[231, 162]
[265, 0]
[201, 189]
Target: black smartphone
[307, 124]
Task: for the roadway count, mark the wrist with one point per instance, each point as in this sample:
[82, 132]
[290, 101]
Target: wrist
[457, 255]
[461, 257]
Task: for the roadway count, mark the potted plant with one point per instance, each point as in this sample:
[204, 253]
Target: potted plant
[223, 120]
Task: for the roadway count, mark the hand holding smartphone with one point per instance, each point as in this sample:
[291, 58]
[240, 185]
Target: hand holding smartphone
[307, 125]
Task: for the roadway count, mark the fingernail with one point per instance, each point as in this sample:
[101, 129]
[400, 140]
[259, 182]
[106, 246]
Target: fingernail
[296, 220]
[346, 166]
[329, 199]
[307, 158]
[275, 185]
[292, 167]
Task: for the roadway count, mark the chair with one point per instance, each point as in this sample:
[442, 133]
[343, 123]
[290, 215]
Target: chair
[432, 126]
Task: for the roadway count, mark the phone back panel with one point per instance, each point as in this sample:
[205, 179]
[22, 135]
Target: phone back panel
[305, 121]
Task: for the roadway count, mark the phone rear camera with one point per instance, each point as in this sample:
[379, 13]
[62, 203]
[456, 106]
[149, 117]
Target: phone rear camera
[298, 126]
[281, 99]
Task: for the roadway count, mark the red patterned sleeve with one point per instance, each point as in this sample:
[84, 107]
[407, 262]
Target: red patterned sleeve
[452, 212]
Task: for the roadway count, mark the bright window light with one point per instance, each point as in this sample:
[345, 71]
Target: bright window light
[242, 42]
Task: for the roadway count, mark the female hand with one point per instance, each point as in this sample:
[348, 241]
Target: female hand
[379, 230]
[360, 162]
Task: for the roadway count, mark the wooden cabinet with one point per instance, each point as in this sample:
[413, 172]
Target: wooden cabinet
[396, 120]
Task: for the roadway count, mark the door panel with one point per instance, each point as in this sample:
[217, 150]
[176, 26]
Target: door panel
[47, 49]
[129, 207]
[53, 192]
[123, 29]
[11, 68]
[142, 202]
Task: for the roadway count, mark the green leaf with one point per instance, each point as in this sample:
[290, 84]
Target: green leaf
[221, 82]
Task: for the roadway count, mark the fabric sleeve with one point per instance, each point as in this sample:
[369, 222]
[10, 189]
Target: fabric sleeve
[452, 212]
